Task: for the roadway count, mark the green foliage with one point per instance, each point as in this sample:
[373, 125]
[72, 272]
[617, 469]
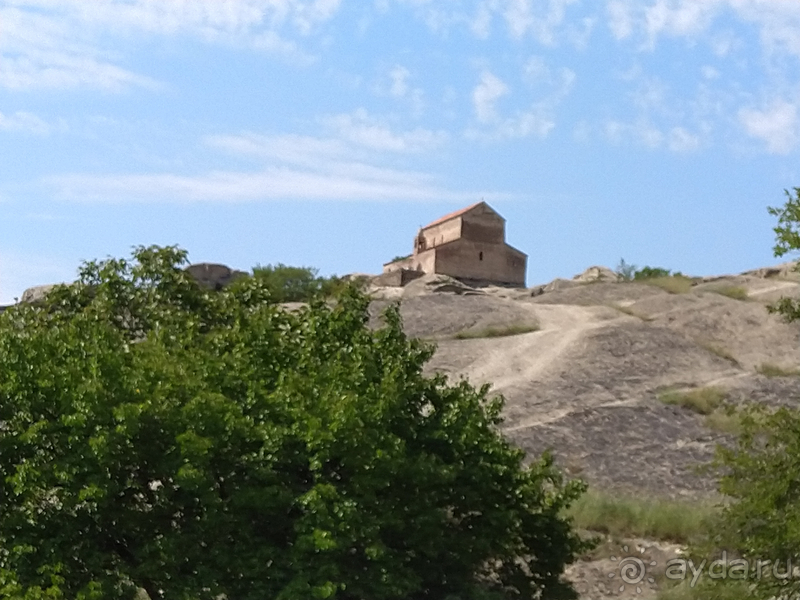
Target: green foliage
[651, 273]
[706, 588]
[674, 284]
[717, 350]
[295, 284]
[628, 272]
[399, 258]
[490, 332]
[736, 292]
[199, 444]
[773, 370]
[702, 401]
[787, 235]
[760, 475]
[625, 271]
[625, 516]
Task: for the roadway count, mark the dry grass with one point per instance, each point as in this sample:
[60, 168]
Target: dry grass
[702, 401]
[720, 351]
[707, 589]
[709, 402]
[725, 420]
[653, 518]
[674, 284]
[773, 370]
[491, 332]
[731, 291]
[629, 311]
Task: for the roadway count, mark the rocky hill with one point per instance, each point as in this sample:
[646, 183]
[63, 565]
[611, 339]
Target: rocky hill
[631, 384]
[589, 381]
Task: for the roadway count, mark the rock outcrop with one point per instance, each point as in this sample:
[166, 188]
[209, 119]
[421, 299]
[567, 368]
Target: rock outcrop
[596, 273]
[214, 276]
[36, 293]
[437, 284]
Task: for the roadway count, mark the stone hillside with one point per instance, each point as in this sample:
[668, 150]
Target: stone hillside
[584, 365]
[587, 382]
[590, 381]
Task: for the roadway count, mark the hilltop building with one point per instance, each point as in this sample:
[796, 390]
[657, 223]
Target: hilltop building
[468, 244]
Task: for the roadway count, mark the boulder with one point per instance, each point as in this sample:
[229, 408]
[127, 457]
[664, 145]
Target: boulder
[36, 293]
[214, 276]
[555, 285]
[438, 284]
[785, 270]
[597, 273]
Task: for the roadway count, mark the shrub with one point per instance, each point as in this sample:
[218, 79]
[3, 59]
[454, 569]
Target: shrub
[625, 271]
[760, 475]
[630, 311]
[651, 273]
[489, 332]
[709, 402]
[674, 284]
[198, 444]
[703, 401]
[295, 284]
[719, 351]
[623, 515]
[772, 370]
[731, 291]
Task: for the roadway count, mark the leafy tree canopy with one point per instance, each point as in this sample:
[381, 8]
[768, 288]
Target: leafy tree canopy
[630, 272]
[761, 473]
[158, 436]
[295, 284]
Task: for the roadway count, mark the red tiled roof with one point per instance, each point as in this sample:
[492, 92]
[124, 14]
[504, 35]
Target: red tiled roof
[452, 215]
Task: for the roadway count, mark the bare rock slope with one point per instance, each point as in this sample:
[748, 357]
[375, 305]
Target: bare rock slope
[586, 365]
[587, 383]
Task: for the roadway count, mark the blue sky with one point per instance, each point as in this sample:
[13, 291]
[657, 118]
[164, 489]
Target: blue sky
[325, 132]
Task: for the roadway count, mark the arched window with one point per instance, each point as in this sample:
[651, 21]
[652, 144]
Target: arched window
[480, 255]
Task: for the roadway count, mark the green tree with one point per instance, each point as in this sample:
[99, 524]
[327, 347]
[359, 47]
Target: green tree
[651, 273]
[761, 473]
[625, 271]
[295, 284]
[155, 435]
[787, 239]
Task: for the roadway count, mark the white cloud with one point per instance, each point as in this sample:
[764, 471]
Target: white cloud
[25, 122]
[527, 16]
[644, 133]
[362, 130]
[344, 182]
[481, 23]
[486, 94]
[536, 122]
[620, 18]
[536, 119]
[640, 132]
[399, 76]
[544, 20]
[681, 140]
[679, 18]
[58, 44]
[777, 21]
[346, 165]
[777, 125]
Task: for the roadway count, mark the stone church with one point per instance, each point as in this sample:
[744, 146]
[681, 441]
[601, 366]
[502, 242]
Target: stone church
[468, 244]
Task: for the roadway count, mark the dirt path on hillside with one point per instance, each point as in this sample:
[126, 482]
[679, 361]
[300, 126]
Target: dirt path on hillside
[515, 362]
